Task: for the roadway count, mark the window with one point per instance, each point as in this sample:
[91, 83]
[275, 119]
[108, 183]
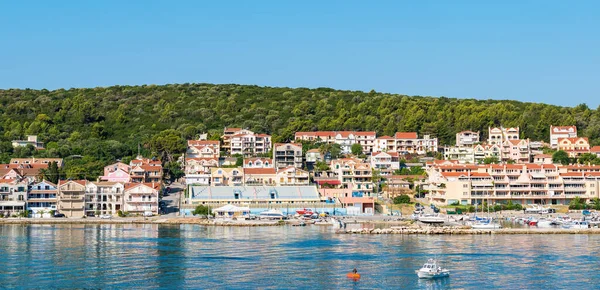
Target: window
[465, 186]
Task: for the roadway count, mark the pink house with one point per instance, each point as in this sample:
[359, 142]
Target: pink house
[118, 172]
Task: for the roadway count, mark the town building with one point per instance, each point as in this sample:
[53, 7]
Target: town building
[385, 162]
[312, 157]
[292, 176]
[141, 198]
[560, 132]
[116, 172]
[260, 176]
[464, 155]
[542, 159]
[31, 140]
[518, 183]
[42, 198]
[467, 138]
[287, 154]
[71, 197]
[203, 149]
[517, 150]
[144, 170]
[13, 197]
[227, 176]
[103, 197]
[574, 146]
[406, 143]
[258, 198]
[595, 150]
[344, 138]
[500, 135]
[245, 142]
[258, 162]
[354, 174]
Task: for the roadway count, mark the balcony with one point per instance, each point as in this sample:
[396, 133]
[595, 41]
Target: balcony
[71, 197]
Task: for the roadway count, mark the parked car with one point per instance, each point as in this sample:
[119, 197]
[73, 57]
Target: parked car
[148, 213]
[59, 215]
[106, 216]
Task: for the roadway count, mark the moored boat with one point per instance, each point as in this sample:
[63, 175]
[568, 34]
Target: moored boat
[431, 219]
[272, 214]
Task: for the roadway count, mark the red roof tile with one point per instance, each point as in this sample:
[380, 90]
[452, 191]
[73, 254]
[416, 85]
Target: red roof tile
[406, 135]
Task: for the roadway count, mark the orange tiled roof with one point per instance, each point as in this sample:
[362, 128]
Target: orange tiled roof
[259, 171]
[406, 135]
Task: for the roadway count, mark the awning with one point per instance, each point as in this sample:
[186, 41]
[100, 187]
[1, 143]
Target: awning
[328, 181]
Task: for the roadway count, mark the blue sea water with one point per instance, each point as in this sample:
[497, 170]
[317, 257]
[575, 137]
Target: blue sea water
[198, 257]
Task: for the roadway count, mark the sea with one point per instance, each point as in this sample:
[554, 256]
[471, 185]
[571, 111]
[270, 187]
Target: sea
[284, 257]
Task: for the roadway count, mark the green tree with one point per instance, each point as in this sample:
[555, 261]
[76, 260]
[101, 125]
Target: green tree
[491, 160]
[201, 210]
[403, 198]
[561, 157]
[356, 149]
[167, 143]
[321, 166]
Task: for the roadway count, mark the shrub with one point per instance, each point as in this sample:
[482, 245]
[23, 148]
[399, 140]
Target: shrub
[201, 210]
[120, 213]
[471, 208]
[497, 207]
[52, 212]
[403, 198]
[455, 203]
[518, 206]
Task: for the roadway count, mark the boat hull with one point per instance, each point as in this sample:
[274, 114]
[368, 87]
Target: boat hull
[433, 275]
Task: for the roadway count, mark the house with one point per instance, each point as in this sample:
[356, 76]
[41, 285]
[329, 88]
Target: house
[116, 172]
[406, 143]
[464, 155]
[500, 135]
[13, 197]
[516, 150]
[385, 162]
[71, 197]
[483, 151]
[197, 170]
[542, 159]
[312, 157]
[292, 176]
[352, 205]
[467, 138]
[140, 198]
[287, 154]
[144, 170]
[245, 142]
[559, 132]
[231, 211]
[260, 176]
[354, 174]
[40, 161]
[203, 149]
[574, 146]
[226, 176]
[258, 162]
[42, 198]
[103, 197]
[31, 140]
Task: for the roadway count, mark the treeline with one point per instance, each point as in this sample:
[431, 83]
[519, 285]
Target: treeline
[103, 124]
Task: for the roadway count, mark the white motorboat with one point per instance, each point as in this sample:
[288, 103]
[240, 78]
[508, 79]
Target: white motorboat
[544, 223]
[431, 219]
[485, 226]
[431, 270]
[272, 214]
[576, 224]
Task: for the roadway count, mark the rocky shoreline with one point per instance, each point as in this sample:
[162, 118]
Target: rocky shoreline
[467, 231]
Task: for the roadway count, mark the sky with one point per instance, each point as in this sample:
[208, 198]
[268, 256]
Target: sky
[534, 51]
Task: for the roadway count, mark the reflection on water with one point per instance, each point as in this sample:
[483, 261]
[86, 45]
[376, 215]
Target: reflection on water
[190, 256]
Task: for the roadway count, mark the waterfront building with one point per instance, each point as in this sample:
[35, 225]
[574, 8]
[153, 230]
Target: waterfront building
[518, 183]
[254, 196]
[354, 174]
[260, 176]
[352, 204]
[42, 198]
[13, 196]
[103, 197]
[467, 138]
[140, 198]
[559, 132]
[226, 176]
[292, 176]
[287, 154]
[71, 197]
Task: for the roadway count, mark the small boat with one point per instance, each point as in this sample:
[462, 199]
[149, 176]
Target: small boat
[432, 270]
[544, 223]
[272, 214]
[305, 211]
[485, 226]
[431, 219]
[300, 224]
[576, 224]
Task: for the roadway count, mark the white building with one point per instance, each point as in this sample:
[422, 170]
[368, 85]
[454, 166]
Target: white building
[559, 132]
[467, 138]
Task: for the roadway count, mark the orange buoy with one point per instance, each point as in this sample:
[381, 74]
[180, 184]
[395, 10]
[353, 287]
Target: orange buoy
[353, 276]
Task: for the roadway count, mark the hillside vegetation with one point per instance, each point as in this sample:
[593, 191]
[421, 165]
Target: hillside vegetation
[102, 124]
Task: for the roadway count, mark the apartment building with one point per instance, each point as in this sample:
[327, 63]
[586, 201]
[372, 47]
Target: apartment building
[464, 155]
[518, 183]
[354, 174]
[574, 146]
[467, 138]
[203, 149]
[42, 198]
[31, 140]
[516, 150]
[260, 176]
[559, 132]
[144, 170]
[406, 143]
[344, 138]
[500, 135]
[292, 176]
[385, 162]
[116, 172]
[103, 197]
[140, 198]
[13, 197]
[71, 197]
[258, 162]
[287, 154]
[226, 176]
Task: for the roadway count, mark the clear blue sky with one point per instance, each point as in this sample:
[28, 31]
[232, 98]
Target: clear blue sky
[539, 51]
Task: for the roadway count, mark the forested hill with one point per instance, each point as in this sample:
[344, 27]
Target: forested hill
[110, 122]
